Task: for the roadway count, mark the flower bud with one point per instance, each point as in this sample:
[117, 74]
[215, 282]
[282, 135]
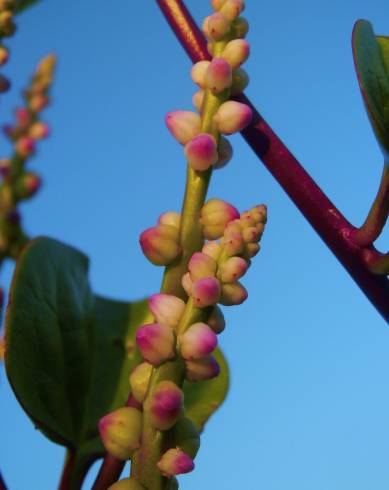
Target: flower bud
[240, 28]
[236, 52]
[205, 292]
[198, 72]
[217, 4]
[201, 151]
[233, 294]
[187, 283]
[259, 213]
[166, 309]
[184, 125]
[232, 9]
[197, 99]
[38, 102]
[218, 76]
[201, 266]
[156, 342]
[215, 215]
[216, 26]
[7, 25]
[5, 167]
[240, 80]
[120, 432]
[127, 484]
[224, 151]
[4, 55]
[39, 131]
[253, 249]
[27, 185]
[233, 244]
[198, 341]
[186, 437]
[250, 234]
[160, 244]
[247, 220]
[5, 84]
[23, 117]
[139, 381]
[165, 405]
[175, 462]
[212, 249]
[25, 146]
[202, 369]
[216, 320]
[170, 218]
[232, 117]
[232, 269]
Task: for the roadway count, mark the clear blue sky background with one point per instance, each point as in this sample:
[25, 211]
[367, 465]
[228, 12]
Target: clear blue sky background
[309, 402]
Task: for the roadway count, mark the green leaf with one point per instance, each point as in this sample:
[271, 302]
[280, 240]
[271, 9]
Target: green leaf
[371, 57]
[24, 4]
[203, 398]
[68, 352]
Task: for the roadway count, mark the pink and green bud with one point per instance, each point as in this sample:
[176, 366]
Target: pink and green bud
[127, 484]
[184, 125]
[240, 80]
[233, 294]
[38, 102]
[213, 249]
[232, 269]
[218, 76]
[25, 146]
[201, 152]
[4, 55]
[240, 27]
[156, 342]
[28, 185]
[216, 26]
[253, 249]
[216, 320]
[39, 130]
[233, 117]
[23, 117]
[198, 341]
[166, 309]
[198, 73]
[217, 4]
[205, 292]
[231, 9]
[175, 462]
[201, 266]
[259, 213]
[251, 234]
[170, 218]
[160, 244]
[215, 215]
[202, 369]
[187, 283]
[224, 151]
[120, 432]
[233, 244]
[186, 437]
[236, 52]
[165, 405]
[197, 99]
[139, 381]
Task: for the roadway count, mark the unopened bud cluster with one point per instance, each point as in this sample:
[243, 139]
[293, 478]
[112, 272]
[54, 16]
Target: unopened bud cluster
[7, 29]
[220, 77]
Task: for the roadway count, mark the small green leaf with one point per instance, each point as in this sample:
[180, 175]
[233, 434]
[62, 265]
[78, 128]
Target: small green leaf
[68, 352]
[371, 57]
[24, 4]
[203, 398]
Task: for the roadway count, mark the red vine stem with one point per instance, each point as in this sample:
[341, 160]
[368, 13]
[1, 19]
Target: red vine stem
[319, 211]
[2, 483]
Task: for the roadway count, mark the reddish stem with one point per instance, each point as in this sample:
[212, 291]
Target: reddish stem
[64, 483]
[323, 216]
[3, 486]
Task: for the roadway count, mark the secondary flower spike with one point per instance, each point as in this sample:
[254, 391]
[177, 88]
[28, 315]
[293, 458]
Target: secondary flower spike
[156, 342]
[175, 462]
[165, 405]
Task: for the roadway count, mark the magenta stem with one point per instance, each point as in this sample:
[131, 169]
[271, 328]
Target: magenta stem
[3, 486]
[319, 211]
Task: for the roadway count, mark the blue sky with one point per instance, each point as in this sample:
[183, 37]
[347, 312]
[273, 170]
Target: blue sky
[309, 404]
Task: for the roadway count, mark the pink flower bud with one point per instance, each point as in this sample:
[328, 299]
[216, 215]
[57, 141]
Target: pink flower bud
[197, 99]
[23, 117]
[218, 76]
[233, 294]
[198, 341]
[139, 381]
[232, 269]
[25, 146]
[170, 218]
[120, 432]
[184, 125]
[240, 27]
[240, 80]
[236, 52]
[259, 213]
[233, 244]
[198, 72]
[217, 4]
[38, 102]
[4, 55]
[216, 320]
[127, 484]
[201, 151]
[232, 117]
[201, 266]
[253, 249]
[250, 234]
[205, 292]
[39, 131]
[165, 405]
[202, 369]
[187, 283]
[216, 26]
[160, 244]
[166, 309]
[212, 249]
[224, 151]
[175, 462]
[215, 215]
[155, 342]
[232, 9]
